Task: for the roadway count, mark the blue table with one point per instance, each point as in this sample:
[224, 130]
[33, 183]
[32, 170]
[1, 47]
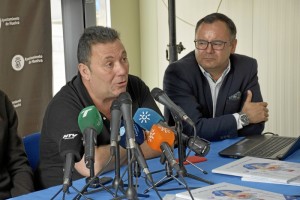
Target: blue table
[213, 161]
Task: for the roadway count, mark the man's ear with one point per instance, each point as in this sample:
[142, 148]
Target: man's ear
[233, 45]
[84, 71]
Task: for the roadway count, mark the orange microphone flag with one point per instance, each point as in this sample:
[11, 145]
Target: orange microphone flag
[159, 134]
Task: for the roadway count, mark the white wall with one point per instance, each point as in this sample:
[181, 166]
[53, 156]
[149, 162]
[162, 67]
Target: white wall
[268, 30]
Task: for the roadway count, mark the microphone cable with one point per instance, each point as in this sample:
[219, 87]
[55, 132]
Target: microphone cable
[193, 141]
[77, 197]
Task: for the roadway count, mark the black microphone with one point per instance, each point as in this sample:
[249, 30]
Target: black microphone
[166, 149]
[160, 96]
[115, 124]
[198, 145]
[71, 149]
[126, 108]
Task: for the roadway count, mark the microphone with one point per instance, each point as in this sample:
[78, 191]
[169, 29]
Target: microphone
[126, 108]
[160, 96]
[138, 131]
[71, 149]
[161, 139]
[146, 117]
[139, 139]
[90, 124]
[198, 145]
[115, 124]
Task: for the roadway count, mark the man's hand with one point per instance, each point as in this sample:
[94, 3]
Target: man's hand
[256, 111]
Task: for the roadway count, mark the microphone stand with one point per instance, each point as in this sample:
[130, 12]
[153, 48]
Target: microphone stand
[95, 182]
[167, 178]
[181, 153]
[68, 183]
[181, 157]
[92, 181]
[65, 189]
[64, 193]
[84, 189]
[131, 192]
[118, 183]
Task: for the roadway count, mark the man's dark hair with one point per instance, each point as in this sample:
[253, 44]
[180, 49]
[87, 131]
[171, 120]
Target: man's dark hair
[94, 35]
[211, 18]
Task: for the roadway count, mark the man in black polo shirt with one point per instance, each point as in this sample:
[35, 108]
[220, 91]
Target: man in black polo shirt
[102, 75]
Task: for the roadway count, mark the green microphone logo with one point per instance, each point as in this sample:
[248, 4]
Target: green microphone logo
[90, 117]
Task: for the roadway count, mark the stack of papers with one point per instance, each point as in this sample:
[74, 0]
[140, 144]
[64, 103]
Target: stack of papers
[227, 191]
[263, 170]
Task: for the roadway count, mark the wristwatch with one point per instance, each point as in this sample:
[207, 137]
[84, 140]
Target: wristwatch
[244, 119]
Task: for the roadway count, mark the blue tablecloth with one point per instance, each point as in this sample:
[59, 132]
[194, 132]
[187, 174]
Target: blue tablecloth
[213, 161]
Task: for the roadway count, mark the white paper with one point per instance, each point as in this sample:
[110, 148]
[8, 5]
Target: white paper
[259, 168]
[228, 191]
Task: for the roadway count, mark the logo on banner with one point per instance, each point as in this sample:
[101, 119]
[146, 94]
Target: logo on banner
[18, 61]
[17, 103]
[11, 21]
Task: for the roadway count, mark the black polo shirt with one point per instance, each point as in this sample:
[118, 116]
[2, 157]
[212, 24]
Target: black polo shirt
[61, 118]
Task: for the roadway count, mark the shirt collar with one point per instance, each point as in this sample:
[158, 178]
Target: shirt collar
[206, 74]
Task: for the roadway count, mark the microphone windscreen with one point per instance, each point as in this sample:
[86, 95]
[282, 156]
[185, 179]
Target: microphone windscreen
[138, 131]
[159, 134]
[71, 143]
[90, 117]
[146, 117]
[125, 98]
[156, 93]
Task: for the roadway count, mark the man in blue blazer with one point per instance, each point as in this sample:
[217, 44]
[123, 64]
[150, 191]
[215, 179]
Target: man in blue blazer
[217, 88]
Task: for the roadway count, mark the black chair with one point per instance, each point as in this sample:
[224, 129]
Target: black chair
[32, 149]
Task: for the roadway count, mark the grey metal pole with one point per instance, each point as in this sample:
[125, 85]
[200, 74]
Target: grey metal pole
[173, 56]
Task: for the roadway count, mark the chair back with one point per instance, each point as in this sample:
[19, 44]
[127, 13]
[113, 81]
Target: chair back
[32, 149]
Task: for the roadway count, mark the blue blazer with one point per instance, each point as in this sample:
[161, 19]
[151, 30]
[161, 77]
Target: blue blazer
[185, 84]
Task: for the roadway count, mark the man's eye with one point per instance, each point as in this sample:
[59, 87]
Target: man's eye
[202, 43]
[124, 59]
[217, 43]
[109, 65]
